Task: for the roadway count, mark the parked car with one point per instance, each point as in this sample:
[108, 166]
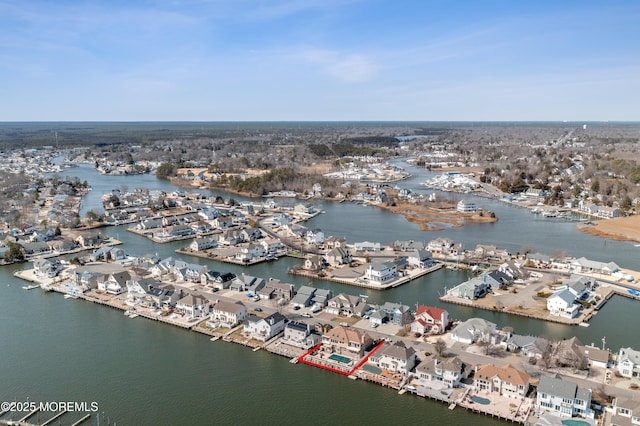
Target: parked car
[305, 315]
[258, 309]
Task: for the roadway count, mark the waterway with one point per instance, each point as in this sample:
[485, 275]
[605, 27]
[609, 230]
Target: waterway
[143, 372]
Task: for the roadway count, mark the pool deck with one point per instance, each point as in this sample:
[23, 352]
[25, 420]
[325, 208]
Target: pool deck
[510, 409]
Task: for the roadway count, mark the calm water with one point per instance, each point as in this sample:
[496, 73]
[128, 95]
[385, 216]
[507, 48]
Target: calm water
[143, 372]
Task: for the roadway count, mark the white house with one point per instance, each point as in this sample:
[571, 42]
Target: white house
[382, 272]
[227, 314]
[194, 306]
[563, 397]
[264, 329]
[300, 335]
[562, 303]
[625, 412]
[466, 207]
[629, 362]
[115, 283]
[448, 371]
[395, 357]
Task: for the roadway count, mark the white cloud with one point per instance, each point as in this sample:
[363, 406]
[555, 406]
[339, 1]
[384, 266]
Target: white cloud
[348, 68]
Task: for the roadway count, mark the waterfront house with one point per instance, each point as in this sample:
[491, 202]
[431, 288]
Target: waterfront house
[474, 330]
[272, 246]
[204, 243]
[227, 314]
[600, 358]
[538, 260]
[448, 371]
[194, 306]
[420, 259]
[562, 303]
[302, 209]
[338, 256]
[45, 268]
[397, 313]
[346, 305]
[430, 320]
[586, 266]
[444, 248]
[563, 397]
[264, 329]
[250, 252]
[381, 272]
[165, 297]
[466, 207]
[408, 245]
[394, 357]
[116, 283]
[333, 242]
[300, 335]
[221, 281]
[608, 212]
[315, 237]
[367, 246]
[626, 412]
[506, 380]
[87, 240]
[488, 253]
[88, 280]
[314, 262]
[138, 290]
[472, 289]
[230, 237]
[346, 341]
[629, 362]
[514, 270]
[496, 279]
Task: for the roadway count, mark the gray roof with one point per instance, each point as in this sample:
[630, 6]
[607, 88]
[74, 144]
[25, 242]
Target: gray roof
[630, 354]
[566, 295]
[396, 350]
[556, 386]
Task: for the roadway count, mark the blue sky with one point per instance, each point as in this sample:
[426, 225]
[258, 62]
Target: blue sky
[244, 60]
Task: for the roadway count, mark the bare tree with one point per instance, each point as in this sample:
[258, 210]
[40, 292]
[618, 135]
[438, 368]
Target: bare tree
[440, 346]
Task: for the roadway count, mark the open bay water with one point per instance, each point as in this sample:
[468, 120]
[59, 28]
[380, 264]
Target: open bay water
[144, 372]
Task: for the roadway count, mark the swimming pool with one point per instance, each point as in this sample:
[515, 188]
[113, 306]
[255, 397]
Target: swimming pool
[340, 358]
[573, 422]
[480, 400]
[371, 368]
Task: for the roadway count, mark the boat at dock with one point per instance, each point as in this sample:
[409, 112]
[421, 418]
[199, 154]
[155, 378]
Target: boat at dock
[70, 296]
[30, 287]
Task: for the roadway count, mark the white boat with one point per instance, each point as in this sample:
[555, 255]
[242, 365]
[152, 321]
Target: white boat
[30, 287]
[70, 296]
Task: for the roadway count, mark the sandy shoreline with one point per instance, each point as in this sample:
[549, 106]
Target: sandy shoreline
[620, 228]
